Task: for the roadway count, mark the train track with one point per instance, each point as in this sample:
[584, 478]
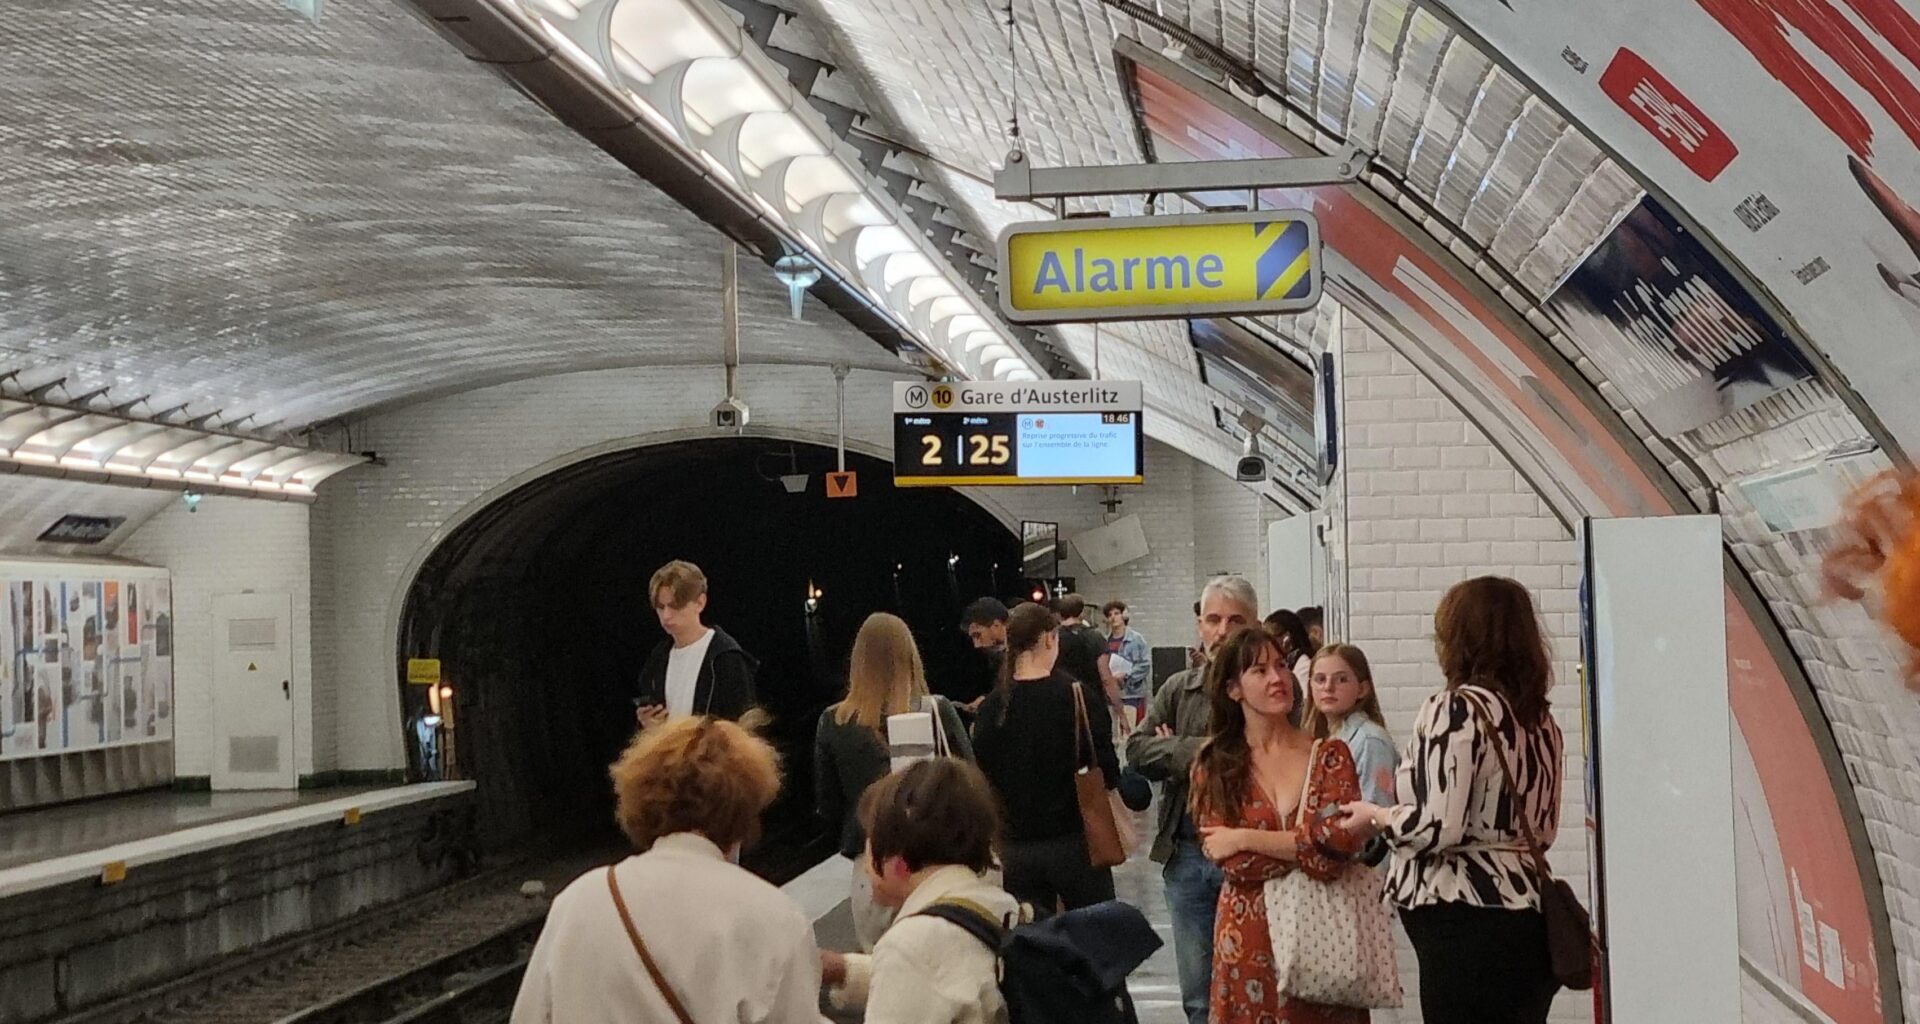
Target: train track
[452, 956]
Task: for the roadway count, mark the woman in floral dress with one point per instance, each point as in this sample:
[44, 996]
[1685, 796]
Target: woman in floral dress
[1247, 781]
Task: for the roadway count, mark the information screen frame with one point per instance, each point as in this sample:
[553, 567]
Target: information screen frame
[983, 434]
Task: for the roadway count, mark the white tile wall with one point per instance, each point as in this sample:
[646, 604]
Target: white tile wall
[444, 458]
[1431, 502]
[229, 545]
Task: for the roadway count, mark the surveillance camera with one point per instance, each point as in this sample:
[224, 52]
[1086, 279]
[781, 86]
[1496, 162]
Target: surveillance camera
[730, 414]
[1252, 469]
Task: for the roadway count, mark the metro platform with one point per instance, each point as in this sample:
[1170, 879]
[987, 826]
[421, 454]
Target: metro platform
[101, 898]
[50, 833]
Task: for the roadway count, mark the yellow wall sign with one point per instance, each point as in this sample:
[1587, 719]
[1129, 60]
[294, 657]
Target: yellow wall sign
[423, 671]
[1144, 268]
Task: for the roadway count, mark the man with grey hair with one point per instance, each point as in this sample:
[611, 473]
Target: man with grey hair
[1162, 749]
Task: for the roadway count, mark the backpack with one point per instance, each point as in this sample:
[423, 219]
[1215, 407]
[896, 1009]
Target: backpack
[1070, 968]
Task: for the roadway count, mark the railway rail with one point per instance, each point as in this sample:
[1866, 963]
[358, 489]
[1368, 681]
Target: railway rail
[451, 956]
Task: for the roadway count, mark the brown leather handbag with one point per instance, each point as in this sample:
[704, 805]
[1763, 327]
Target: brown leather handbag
[1570, 944]
[1090, 788]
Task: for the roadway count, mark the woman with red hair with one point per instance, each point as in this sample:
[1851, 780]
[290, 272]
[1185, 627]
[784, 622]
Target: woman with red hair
[1877, 559]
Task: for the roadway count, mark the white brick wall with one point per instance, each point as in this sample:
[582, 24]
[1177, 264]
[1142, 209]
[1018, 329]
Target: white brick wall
[229, 545]
[373, 526]
[1431, 502]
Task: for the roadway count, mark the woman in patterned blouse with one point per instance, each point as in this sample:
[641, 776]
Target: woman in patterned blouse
[1459, 870]
[1247, 782]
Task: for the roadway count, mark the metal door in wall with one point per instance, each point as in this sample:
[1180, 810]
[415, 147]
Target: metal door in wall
[253, 691]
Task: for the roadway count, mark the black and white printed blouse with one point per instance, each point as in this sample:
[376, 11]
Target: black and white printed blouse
[1453, 836]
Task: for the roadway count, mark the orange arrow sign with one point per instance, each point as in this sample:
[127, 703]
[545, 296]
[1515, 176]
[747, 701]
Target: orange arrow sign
[843, 485]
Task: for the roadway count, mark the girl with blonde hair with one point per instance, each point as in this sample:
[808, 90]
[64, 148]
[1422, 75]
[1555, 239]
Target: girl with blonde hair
[885, 677]
[1343, 705]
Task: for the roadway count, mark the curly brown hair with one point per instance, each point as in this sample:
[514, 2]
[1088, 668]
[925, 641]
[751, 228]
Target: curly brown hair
[1486, 634]
[1225, 761]
[702, 775]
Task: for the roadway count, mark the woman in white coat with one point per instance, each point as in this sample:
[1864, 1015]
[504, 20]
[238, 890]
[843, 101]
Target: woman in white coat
[679, 933]
[930, 834]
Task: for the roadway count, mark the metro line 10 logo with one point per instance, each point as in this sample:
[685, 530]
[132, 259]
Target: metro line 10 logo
[943, 396]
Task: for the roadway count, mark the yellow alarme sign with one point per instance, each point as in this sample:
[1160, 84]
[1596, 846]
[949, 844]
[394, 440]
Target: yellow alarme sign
[423, 671]
[1141, 268]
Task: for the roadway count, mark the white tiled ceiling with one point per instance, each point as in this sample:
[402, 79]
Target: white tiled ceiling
[220, 203]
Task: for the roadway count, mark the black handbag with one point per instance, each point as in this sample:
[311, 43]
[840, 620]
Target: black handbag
[1570, 945]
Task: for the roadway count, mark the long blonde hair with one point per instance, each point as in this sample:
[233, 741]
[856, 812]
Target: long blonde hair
[884, 676]
[1312, 720]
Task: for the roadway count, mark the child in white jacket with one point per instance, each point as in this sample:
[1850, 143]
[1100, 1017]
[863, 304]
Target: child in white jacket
[930, 837]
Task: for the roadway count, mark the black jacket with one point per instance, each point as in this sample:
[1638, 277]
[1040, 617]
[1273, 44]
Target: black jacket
[848, 757]
[725, 686]
[1080, 649]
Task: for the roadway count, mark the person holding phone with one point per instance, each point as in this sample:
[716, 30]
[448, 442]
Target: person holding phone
[698, 669]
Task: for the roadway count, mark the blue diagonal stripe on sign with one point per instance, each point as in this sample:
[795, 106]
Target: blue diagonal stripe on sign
[1287, 263]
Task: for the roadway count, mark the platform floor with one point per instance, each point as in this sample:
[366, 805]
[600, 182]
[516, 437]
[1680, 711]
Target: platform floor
[28, 837]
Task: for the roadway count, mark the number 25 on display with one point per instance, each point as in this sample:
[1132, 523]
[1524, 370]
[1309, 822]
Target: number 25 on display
[987, 450]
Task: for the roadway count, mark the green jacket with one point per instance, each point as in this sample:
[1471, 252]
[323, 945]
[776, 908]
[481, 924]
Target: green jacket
[1182, 703]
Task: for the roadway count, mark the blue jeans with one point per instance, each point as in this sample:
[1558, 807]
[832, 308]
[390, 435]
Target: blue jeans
[1193, 893]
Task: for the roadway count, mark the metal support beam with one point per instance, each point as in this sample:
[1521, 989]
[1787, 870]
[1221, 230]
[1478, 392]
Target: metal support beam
[1021, 180]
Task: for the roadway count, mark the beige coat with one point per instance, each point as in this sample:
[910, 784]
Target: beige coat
[928, 971]
[733, 947]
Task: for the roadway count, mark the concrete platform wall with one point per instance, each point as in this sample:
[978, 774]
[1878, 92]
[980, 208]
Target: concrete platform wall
[79, 944]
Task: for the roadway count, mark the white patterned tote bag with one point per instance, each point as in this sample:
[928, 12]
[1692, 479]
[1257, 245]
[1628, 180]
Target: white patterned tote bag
[1332, 941]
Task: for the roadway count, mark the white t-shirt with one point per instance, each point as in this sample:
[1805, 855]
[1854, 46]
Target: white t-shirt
[683, 674]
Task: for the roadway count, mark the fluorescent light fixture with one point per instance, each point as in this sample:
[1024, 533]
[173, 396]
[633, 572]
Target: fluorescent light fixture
[692, 73]
[48, 438]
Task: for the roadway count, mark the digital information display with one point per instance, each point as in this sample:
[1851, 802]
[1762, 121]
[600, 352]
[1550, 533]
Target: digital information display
[1051, 432]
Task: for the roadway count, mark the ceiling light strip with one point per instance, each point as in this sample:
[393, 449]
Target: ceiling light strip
[52, 439]
[690, 73]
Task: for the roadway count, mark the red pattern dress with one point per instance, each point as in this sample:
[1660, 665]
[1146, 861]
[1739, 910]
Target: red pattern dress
[1244, 991]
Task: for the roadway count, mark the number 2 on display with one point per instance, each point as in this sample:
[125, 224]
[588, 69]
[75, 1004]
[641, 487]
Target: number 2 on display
[987, 451]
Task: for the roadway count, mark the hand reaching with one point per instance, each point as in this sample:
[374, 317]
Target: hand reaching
[1359, 817]
[833, 968]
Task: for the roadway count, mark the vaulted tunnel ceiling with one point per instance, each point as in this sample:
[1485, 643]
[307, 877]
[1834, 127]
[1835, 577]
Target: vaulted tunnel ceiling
[225, 204]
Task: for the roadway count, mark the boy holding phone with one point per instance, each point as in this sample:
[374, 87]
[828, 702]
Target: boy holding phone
[698, 669]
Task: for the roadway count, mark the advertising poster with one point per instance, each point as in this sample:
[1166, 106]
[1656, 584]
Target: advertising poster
[1790, 129]
[1691, 345]
[89, 658]
[1805, 902]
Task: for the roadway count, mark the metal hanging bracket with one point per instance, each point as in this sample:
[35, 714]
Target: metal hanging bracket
[1020, 180]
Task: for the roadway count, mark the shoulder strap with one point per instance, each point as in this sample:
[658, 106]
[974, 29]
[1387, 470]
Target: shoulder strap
[1081, 725]
[640, 947]
[1506, 772]
[1306, 784]
[942, 747]
[970, 917]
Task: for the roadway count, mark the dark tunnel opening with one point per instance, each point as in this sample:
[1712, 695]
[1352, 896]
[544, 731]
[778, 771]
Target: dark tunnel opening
[538, 609]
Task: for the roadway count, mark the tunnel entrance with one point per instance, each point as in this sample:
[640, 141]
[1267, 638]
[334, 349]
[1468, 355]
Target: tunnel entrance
[537, 607]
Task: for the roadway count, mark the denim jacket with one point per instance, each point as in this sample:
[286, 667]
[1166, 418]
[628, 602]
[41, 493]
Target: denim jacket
[1133, 647]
